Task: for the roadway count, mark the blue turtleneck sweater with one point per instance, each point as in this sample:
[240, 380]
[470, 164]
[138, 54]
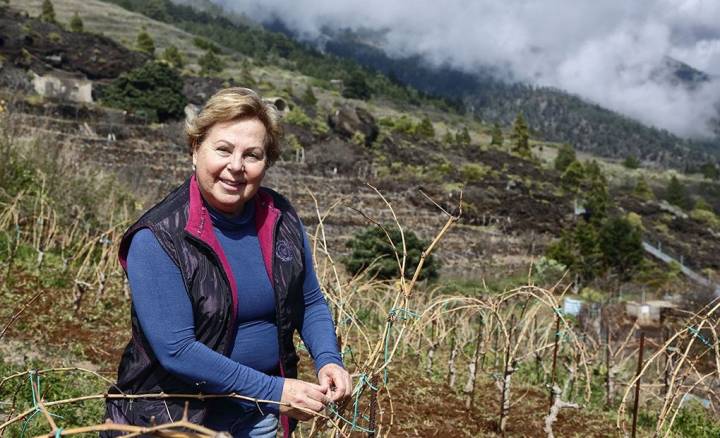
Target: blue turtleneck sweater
[165, 313]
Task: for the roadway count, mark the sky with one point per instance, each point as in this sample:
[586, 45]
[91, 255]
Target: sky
[607, 51]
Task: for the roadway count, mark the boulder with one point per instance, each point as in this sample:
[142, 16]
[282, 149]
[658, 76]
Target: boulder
[347, 121]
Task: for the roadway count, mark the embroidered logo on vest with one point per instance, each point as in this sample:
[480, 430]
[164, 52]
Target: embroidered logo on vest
[283, 251]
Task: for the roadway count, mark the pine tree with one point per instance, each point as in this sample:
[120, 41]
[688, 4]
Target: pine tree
[425, 128]
[76, 23]
[676, 193]
[621, 245]
[497, 135]
[172, 56]
[710, 171]
[631, 162]
[145, 43]
[573, 176]
[210, 64]
[47, 13]
[449, 138]
[357, 87]
[565, 157]
[463, 137]
[598, 198]
[309, 96]
[642, 190]
[521, 137]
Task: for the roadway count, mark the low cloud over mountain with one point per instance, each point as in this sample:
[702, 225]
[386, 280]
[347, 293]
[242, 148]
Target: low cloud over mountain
[612, 52]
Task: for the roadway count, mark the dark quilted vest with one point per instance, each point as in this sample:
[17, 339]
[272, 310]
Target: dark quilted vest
[183, 228]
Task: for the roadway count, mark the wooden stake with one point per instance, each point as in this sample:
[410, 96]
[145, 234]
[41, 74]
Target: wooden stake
[553, 373]
[636, 404]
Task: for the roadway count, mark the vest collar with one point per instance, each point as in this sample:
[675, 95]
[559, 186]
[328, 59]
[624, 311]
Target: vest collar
[199, 224]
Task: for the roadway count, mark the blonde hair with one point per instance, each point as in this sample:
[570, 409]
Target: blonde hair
[233, 104]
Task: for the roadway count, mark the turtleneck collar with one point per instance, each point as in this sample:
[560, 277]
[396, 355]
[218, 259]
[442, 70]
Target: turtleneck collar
[232, 223]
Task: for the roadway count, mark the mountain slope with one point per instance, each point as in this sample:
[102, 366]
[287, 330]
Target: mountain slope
[553, 114]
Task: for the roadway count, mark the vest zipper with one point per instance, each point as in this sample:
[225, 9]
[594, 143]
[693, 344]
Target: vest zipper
[229, 335]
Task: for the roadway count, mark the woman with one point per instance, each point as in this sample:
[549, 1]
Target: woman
[221, 276]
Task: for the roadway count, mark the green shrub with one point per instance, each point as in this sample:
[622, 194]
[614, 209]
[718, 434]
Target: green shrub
[631, 162]
[473, 172]
[202, 43]
[695, 421]
[172, 56]
[356, 86]
[76, 23]
[496, 135]
[309, 97]
[676, 193]
[565, 157]
[145, 43]
[425, 128]
[642, 190]
[210, 64]
[371, 250]
[296, 116]
[707, 217]
[463, 136]
[47, 12]
[153, 91]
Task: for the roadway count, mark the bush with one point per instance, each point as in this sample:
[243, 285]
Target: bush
[565, 157]
[154, 90]
[356, 87]
[172, 56]
[631, 162]
[210, 64]
[145, 43]
[425, 128]
[620, 242]
[473, 172]
[297, 116]
[643, 190]
[371, 250]
[695, 421]
[76, 23]
[309, 97]
[676, 193]
[496, 135]
[47, 12]
[202, 43]
[707, 217]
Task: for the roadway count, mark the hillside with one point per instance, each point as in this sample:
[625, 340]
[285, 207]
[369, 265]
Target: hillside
[79, 172]
[554, 115]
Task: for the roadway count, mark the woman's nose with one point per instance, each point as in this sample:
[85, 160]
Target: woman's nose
[236, 163]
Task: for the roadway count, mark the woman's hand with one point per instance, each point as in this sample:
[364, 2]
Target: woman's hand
[336, 382]
[302, 395]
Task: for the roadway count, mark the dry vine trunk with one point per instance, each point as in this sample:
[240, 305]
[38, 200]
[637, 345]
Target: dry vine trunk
[452, 372]
[472, 368]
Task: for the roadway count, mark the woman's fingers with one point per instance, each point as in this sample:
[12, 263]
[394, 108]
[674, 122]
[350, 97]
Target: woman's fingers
[304, 395]
[337, 379]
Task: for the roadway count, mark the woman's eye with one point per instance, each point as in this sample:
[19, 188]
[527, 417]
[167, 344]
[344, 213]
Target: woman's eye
[253, 156]
[224, 152]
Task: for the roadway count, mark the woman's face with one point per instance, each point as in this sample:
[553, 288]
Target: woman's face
[230, 164]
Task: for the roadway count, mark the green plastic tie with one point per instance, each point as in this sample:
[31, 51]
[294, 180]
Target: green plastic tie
[695, 332]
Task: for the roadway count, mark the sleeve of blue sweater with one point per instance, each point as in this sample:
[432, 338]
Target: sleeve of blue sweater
[318, 330]
[165, 314]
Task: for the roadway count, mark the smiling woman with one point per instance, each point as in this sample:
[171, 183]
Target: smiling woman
[221, 277]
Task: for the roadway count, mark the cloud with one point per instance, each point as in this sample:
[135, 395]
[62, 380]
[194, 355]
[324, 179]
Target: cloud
[608, 52]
